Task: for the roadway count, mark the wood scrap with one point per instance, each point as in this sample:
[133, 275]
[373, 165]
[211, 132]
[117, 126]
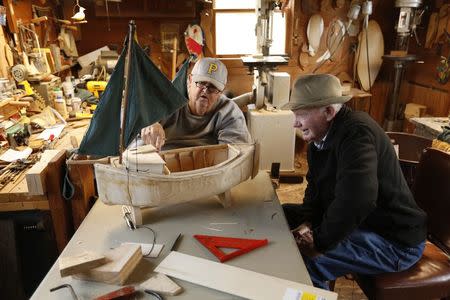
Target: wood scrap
[162, 284]
[230, 279]
[74, 141]
[121, 261]
[85, 261]
[36, 176]
[20, 103]
[3, 60]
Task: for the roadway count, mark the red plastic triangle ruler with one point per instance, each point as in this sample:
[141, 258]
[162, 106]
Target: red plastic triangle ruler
[213, 243]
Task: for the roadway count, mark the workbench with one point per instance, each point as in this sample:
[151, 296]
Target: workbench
[430, 127]
[15, 196]
[255, 214]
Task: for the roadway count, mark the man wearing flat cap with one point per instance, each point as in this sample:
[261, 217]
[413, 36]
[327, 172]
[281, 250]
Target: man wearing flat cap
[208, 118]
[358, 214]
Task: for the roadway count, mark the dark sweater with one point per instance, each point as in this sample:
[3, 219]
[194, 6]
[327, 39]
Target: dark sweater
[355, 181]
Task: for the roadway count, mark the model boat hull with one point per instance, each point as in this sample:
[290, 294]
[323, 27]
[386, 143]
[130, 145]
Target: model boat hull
[196, 172]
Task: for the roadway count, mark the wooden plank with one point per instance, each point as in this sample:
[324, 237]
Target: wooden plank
[3, 62]
[12, 19]
[230, 279]
[162, 284]
[121, 262]
[36, 176]
[82, 262]
[24, 205]
[17, 190]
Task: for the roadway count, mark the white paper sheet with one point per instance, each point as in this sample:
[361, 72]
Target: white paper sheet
[13, 155]
[55, 130]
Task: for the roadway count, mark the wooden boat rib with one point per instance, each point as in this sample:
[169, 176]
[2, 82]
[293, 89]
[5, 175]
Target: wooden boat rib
[195, 173]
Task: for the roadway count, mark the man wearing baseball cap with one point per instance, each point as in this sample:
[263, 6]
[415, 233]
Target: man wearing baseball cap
[208, 118]
[358, 214]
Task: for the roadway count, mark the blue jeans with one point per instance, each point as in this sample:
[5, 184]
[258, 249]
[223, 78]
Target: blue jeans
[362, 252]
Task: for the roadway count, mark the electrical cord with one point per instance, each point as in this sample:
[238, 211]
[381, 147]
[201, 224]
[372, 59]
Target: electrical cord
[153, 242]
[128, 220]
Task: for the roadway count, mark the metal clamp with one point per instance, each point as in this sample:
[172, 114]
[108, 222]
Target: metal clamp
[126, 212]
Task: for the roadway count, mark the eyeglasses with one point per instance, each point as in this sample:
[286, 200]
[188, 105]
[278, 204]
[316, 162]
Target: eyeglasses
[210, 89]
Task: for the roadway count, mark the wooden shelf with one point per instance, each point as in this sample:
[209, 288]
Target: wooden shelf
[357, 93]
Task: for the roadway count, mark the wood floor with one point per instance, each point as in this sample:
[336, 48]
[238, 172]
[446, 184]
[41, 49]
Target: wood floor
[293, 193]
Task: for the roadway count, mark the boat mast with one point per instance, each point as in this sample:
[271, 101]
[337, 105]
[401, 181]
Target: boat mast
[123, 108]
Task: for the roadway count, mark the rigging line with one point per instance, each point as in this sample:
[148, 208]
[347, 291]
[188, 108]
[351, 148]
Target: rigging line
[138, 136]
[127, 167]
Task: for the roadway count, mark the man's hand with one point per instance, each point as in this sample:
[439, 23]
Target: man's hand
[305, 240]
[153, 134]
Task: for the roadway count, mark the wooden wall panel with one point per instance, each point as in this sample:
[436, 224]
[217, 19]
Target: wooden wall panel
[96, 33]
[419, 84]
[21, 11]
[436, 101]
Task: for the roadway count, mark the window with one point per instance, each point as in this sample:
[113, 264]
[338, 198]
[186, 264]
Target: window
[235, 22]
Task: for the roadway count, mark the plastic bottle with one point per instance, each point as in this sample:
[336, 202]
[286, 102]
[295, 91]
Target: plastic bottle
[60, 103]
[76, 104]
[68, 88]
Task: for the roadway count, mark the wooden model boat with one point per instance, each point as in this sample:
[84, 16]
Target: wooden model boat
[138, 94]
[194, 173]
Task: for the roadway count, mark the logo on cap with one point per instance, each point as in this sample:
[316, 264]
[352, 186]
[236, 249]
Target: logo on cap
[212, 68]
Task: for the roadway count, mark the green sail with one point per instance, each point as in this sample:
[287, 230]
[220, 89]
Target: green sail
[151, 97]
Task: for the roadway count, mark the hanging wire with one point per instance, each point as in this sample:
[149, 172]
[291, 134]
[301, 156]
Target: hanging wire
[74, 11]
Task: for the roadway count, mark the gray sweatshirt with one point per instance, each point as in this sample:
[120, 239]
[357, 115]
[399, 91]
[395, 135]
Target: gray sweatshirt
[224, 124]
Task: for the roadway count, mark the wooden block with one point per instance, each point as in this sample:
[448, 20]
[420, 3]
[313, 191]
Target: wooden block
[414, 110]
[162, 284]
[399, 53]
[145, 248]
[85, 261]
[234, 280]
[121, 261]
[36, 176]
